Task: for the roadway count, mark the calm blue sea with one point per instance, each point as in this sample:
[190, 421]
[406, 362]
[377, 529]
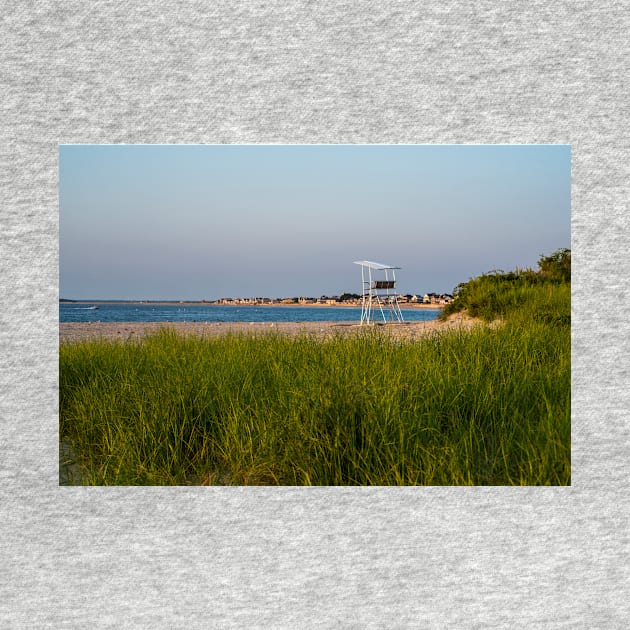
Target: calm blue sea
[95, 312]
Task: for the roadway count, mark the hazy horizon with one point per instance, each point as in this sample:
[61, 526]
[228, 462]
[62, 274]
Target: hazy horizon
[202, 222]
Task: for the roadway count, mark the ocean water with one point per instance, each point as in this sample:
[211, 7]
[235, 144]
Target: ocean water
[121, 312]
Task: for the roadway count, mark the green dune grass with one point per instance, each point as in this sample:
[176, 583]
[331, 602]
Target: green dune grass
[489, 406]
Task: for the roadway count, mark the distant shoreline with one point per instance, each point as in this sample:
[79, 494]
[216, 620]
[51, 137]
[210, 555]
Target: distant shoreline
[275, 304]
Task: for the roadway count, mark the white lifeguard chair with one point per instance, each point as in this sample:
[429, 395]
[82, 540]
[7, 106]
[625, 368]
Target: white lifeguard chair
[379, 293]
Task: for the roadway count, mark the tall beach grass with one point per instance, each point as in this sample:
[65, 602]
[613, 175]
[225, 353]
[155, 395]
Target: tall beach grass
[488, 406]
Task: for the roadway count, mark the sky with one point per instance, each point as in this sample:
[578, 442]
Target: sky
[201, 222]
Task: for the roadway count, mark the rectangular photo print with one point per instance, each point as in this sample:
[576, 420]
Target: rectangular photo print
[326, 315]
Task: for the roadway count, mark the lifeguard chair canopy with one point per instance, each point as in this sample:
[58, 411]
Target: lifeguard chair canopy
[378, 292]
[374, 265]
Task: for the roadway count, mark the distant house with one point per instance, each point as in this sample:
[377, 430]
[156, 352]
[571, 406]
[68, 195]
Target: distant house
[436, 298]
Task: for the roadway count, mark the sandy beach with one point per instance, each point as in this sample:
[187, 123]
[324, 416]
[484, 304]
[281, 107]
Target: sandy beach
[130, 331]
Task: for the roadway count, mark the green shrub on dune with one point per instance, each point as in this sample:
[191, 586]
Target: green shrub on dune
[524, 295]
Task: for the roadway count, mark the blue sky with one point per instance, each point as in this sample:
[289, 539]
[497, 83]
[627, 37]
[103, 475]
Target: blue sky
[192, 222]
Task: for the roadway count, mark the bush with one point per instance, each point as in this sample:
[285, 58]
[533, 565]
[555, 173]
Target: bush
[543, 295]
[557, 266]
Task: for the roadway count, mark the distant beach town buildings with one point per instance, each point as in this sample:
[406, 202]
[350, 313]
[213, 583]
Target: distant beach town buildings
[347, 299]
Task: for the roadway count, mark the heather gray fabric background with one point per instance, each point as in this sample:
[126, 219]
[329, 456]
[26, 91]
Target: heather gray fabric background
[289, 72]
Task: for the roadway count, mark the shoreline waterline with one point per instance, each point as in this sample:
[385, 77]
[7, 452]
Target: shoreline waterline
[124, 312]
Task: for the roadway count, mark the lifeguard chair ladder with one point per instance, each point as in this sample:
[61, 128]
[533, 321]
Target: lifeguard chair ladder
[379, 293]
